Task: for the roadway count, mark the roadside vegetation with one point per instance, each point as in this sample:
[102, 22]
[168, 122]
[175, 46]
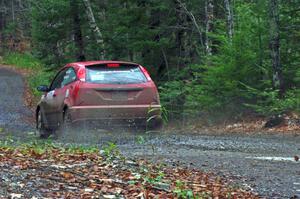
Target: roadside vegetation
[44, 169]
[32, 68]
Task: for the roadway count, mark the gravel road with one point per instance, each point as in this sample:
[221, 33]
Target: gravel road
[263, 163]
[13, 113]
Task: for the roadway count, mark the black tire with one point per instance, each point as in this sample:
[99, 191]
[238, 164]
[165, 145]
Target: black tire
[155, 124]
[69, 131]
[41, 131]
[65, 126]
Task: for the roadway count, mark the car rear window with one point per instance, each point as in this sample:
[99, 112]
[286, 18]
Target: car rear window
[120, 74]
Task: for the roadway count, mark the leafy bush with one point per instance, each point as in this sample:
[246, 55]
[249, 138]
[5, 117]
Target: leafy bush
[270, 103]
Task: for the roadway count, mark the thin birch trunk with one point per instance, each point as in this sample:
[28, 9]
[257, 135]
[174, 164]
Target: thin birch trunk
[94, 27]
[229, 15]
[193, 19]
[209, 13]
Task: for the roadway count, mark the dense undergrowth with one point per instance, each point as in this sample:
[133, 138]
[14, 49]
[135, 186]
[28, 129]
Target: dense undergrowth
[237, 79]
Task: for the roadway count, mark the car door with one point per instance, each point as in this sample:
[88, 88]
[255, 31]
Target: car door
[65, 91]
[50, 99]
[70, 83]
[60, 90]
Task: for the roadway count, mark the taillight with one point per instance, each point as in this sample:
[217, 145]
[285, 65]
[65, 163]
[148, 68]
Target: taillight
[81, 74]
[145, 73]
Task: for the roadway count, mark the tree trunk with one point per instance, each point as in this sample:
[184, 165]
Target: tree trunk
[179, 35]
[193, 19]
[166, 63]
[229, 15]
[209, 15]
[77, 31]
[275, 46]
[1, 32]
[94, 27]
[2, 25]
[13, 10]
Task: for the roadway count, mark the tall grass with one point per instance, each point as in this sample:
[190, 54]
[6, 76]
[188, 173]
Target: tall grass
[23, 61]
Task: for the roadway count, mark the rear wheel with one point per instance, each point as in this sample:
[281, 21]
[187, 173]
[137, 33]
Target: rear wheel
[66, 122]
[154, 124]
[65, 130]
[41, 131]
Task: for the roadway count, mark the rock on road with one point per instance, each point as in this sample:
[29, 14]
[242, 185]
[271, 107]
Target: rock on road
[260, 162]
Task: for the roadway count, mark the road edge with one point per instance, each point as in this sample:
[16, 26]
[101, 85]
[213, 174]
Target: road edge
[29, 99]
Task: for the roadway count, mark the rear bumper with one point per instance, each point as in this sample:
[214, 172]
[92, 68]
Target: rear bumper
[114, 112]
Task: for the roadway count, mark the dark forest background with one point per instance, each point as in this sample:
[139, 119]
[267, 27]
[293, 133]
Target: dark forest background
[208, 57]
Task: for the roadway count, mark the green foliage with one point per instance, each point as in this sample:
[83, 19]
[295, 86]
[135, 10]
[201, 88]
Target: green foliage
[23, 61]
[154, 180]
[110, 150]
[140, 139]
[42, 146]
[290, 48]
[51, 31]
[181, 192]
[172, 94]
[40, 78]
[223, 81]
[237, 62]
[157, 112]
[7, 142]
[270, 103]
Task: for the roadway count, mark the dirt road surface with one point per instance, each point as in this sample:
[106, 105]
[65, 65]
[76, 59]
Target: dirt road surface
[13, 113]
[263, 163]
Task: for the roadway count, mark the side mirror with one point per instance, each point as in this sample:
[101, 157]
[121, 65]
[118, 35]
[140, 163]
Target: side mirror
[43, 88]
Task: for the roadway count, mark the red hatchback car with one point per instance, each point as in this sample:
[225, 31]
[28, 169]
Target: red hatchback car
[98, 91]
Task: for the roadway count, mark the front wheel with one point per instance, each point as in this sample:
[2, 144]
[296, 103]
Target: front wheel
[41, 131]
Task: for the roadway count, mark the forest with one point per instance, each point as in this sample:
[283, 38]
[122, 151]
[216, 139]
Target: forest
[208, 57]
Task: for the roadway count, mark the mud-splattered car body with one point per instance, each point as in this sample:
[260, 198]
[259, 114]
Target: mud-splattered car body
[99, 91]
